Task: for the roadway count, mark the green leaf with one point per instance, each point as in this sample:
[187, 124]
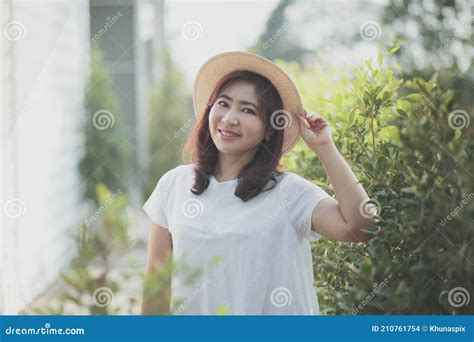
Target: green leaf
[404, 105]
[352, 117]
[415, 97]
[395, 49]
[402, 113]
[380, 58]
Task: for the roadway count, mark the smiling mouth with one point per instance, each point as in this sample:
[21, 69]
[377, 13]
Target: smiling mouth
[227, 135]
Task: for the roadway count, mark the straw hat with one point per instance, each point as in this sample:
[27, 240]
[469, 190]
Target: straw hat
[222, 64]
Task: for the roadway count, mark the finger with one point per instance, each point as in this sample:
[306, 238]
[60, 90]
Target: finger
[318, 125]
[314, 117]
[318, 117]
[303, 122]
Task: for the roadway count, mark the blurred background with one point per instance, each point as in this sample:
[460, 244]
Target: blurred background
[96, 103]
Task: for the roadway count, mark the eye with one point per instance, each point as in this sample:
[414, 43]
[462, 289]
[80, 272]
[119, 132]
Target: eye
[251, 111]
[220, 103]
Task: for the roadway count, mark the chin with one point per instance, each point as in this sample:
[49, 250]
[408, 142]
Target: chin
[228, 150]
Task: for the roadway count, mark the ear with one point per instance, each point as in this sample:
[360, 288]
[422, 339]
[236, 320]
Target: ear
[268, 134]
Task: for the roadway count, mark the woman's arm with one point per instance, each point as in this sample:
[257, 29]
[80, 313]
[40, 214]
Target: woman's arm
[339, 219]
[159, 250]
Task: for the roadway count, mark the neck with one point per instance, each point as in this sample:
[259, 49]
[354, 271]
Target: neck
[230, 165]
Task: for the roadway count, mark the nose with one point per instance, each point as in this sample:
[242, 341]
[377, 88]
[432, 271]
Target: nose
[230, 117]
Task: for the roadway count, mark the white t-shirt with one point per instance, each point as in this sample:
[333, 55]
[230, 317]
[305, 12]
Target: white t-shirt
[255, 256]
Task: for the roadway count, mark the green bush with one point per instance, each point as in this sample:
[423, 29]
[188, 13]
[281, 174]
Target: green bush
[168, 122]
[399, 137]
[90, 283]
[97, 281]
[107, 153]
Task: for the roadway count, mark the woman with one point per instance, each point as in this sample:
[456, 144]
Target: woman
[233, 204]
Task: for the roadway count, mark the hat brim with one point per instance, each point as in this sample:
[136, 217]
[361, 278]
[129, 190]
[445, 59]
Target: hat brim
[222, 64]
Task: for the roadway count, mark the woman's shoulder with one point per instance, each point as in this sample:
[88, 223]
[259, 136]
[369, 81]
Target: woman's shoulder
[182, 168]
[291, 180]
[179, 171]
[286, 176]
[280, 180]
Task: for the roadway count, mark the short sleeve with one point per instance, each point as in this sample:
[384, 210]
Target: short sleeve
[154, 206]
[301, 197]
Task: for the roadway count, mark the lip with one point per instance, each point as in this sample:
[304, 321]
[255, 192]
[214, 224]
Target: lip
[224, 137]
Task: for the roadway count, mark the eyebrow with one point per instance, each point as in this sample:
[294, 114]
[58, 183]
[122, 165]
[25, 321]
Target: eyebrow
[241, 102]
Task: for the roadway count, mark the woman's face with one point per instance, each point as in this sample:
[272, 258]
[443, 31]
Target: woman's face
[236, 109]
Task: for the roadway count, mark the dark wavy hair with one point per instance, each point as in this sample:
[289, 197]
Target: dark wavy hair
[263, 168]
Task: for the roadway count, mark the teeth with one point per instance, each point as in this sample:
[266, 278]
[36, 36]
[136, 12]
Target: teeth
[228, 134]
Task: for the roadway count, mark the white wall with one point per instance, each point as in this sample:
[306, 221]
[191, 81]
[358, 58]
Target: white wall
[43, 77]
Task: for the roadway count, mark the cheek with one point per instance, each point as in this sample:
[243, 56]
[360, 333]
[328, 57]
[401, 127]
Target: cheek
[254, 128]
[213, 118]
[215, 114]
